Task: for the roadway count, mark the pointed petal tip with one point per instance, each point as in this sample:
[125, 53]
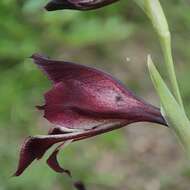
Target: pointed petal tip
[151, 114]
[38, 56]
[35, 55]
[59, 5]
[32, 148]
[54, 164]
[40, 107]
[48, 7]
[25, 160]
[39, 59]
[51, 7]
[16, 174]
[160, 120]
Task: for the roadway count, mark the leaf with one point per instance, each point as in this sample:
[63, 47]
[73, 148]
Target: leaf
[175, 116]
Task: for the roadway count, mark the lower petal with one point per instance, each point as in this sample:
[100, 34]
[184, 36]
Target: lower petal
[35, 147]
[53, 162]
[32, 148]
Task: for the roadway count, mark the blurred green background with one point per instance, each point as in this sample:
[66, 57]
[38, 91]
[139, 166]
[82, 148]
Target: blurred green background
[117, 39]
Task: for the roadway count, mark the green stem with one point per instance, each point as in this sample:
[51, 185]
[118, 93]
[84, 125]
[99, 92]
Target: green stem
[172, 106]
[165, 41]
[154, 11]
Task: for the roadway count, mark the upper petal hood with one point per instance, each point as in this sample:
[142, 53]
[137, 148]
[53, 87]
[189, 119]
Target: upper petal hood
[84, 95]
[77, 4]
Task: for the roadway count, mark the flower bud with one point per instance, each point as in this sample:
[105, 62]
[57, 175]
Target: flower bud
[77, 4]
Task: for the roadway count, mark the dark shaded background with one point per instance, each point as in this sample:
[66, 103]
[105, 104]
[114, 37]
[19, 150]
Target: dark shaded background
[117, 39]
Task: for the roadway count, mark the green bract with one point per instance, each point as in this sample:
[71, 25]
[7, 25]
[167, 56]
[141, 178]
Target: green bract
[174, 114]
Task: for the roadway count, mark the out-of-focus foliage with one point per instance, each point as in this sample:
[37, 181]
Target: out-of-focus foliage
[104, 37]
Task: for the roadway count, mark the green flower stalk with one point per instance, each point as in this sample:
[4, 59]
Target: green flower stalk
[154, 11]
[172, 106]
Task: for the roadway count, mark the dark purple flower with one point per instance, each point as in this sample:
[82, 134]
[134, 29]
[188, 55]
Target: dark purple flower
[77, 4]
[82, 103]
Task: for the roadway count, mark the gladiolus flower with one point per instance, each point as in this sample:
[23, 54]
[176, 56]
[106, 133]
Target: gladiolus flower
[83, 102]
[77, 4]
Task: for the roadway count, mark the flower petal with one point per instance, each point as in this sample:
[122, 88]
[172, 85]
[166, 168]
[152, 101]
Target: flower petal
[32, 148]
[77, 4]
[53, 162]
[59, 4]
[62, 110]
[35, 147]
[83, 102]
[83, 94]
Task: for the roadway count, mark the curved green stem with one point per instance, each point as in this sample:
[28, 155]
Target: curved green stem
[154, 11]
[165, 41]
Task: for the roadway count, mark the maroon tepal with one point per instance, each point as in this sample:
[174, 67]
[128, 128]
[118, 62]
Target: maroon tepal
[82, 103]
[77, 4]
